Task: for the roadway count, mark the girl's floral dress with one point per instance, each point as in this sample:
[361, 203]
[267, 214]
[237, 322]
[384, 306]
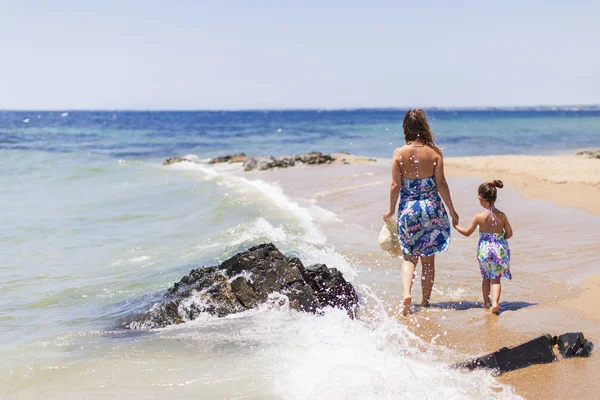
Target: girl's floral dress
[493, 255]
[423, 225]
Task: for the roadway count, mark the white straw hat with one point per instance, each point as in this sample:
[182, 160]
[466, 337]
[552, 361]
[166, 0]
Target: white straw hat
[388, 237]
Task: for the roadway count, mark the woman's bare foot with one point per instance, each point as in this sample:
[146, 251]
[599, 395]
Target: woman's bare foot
[487, 306]
[425, 304]
[406, 305]
[495, 309]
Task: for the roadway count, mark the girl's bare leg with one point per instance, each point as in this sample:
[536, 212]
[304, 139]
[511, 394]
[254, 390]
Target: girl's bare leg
[427, 278]
[496, 290]
[485, 289]
[408, 273]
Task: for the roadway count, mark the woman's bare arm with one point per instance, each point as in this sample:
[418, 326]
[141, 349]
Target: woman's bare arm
[440, 180]
[395, 186]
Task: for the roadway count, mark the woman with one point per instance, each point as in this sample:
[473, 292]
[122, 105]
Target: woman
[423, 226]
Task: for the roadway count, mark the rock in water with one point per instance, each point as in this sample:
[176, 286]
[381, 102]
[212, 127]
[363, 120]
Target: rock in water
[245, 281]
[536, 351]
[173, 160]
[241, 157]
[574, 344]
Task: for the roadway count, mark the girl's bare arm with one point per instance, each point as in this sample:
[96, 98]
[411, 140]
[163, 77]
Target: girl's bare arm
[508, 232]
[470, 229]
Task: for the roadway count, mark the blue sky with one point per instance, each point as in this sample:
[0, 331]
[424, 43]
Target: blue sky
[297, 54]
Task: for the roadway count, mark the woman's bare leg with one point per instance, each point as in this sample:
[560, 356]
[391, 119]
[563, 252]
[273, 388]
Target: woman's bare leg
[427, 278]
[485, 289]
[496, 290]
[408, 274]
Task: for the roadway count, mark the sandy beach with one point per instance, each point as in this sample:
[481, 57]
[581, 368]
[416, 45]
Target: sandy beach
[567, 181]
[553, 203]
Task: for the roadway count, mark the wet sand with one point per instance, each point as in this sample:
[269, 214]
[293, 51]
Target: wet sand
[555, 257]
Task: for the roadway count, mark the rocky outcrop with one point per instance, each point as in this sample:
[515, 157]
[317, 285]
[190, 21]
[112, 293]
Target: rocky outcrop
[245, 281]
[241, 157]
[173, 160]
[589, 153]
[265, 163]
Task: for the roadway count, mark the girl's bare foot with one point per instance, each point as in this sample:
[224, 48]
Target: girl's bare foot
[495, 309]
[487, 306]
[425, 304]
[406, 305]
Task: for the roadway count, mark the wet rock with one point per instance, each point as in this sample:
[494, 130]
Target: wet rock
[241, 157]
[589, 153]
[258, 163]
[315, 158]
[574, 344]
[331, 287]
[265, 163]
[536, 351]
[246, 280]
[173, 160]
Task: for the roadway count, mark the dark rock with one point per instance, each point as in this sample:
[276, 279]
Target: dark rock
[241, 157]
[573, 344]
[173, 160]
[259, 163]
[536, 351]
[265, 163]
[315, 158]
[589, 153]
[246, 280]
[331, 287]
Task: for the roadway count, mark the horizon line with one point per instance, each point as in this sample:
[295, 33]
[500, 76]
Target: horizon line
[554, 107]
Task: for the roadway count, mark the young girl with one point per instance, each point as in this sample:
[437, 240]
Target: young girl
[493, 252]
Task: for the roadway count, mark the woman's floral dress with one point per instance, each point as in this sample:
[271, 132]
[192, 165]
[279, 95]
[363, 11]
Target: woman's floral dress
[423, 225]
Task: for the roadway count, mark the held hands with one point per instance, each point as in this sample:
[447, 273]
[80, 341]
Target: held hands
[387, 215]
[454, 217]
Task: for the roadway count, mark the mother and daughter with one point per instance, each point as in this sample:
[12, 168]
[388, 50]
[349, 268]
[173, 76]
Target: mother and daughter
[423, 225]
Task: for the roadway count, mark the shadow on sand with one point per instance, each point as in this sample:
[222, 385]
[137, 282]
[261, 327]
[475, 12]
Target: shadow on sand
[467, 305]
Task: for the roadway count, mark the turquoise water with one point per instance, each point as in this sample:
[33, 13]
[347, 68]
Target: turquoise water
[94, 229]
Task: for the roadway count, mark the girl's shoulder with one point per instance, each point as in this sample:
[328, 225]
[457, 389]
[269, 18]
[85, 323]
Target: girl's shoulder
[480, 216]
[499, 213]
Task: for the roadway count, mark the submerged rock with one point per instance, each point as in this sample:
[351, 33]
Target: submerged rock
[246, 280]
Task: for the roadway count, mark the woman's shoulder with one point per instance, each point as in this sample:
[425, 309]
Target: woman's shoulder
[399, 151]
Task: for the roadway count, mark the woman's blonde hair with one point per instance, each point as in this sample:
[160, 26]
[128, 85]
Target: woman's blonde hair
[416, 128]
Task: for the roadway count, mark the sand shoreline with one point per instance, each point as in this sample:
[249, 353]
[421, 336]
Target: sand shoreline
[543, 296]
[567, 181]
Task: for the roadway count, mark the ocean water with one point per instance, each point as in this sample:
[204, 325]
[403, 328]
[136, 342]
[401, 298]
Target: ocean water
[94, 228]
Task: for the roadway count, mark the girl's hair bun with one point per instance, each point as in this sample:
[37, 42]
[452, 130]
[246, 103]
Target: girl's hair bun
[498, 184]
